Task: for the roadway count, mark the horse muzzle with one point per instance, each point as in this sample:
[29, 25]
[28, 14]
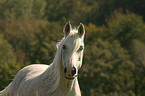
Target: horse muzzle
[71, 73]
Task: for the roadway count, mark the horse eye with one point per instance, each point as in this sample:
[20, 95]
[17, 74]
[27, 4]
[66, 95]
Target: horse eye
[64, 47]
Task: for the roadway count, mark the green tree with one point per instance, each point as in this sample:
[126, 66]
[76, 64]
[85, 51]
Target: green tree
[45, 38]
[8, 66]
[105, 8]
[23, 9]
[93, 33]
[19, 33]
[107, 70]
[125, 28]
[69, 10]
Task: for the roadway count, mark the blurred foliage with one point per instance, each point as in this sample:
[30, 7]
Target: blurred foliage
[126, 27]
[106, 8]
[45, 38]
[114, 58]
[8, 66]
[108, 68]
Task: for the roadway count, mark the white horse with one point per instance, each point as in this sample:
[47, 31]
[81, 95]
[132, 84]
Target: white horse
[57, 79]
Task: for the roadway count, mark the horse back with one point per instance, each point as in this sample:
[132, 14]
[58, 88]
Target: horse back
[26, 77]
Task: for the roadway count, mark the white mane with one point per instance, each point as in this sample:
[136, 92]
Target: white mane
[55, 66]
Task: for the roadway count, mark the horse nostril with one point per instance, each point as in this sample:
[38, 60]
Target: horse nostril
[65, 70]
[73, 71]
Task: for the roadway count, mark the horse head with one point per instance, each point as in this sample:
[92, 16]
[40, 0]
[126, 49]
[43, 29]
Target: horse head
[72, 50]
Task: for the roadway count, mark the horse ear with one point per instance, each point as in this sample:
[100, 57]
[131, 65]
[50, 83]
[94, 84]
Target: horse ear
[67, 29]
[81, 30]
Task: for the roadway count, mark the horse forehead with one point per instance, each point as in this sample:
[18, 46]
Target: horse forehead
[74, 40]
[71, 40]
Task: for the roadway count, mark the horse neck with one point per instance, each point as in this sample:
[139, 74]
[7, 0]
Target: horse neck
[62, 83]
[50, 79]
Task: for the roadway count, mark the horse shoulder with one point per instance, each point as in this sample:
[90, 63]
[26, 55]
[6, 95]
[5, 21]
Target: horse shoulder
[27, 72]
